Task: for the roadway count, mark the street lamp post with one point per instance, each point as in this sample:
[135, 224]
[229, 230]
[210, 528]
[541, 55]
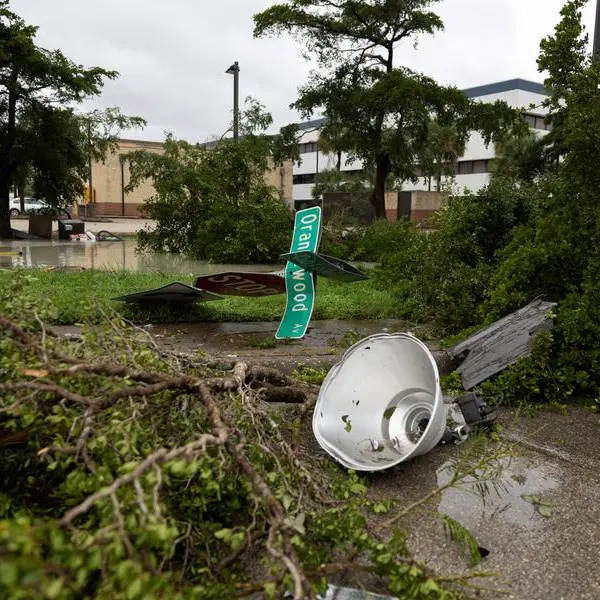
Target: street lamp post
[596, 45]
[90, 178]
[234, 70]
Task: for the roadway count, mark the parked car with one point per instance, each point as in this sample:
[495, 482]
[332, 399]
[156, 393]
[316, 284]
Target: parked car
[31, 205]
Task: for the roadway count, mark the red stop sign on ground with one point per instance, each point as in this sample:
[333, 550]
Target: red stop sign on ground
[242, 284]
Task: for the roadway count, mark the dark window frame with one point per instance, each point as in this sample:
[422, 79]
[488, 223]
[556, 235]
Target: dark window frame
[480, 166]
[307, 147]
[537, 121]
[304, 179]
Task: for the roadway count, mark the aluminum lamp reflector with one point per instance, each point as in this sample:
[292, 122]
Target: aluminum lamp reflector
[381, 404]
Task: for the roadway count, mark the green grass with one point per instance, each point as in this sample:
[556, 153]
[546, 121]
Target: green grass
[72, 293]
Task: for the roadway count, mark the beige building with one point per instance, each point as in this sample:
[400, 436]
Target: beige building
[109, 180]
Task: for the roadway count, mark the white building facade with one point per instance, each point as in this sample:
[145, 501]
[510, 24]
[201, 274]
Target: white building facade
[473, 168]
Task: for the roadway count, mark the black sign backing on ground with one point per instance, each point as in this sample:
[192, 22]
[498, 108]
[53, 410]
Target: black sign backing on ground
[176, 293]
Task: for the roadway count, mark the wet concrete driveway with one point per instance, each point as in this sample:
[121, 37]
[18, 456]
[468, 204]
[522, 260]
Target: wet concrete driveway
[323, 344]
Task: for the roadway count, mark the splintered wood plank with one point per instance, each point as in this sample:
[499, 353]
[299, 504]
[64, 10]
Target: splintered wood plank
[498, 346]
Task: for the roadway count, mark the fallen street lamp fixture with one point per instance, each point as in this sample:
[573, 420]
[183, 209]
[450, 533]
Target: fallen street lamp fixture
[234, 70]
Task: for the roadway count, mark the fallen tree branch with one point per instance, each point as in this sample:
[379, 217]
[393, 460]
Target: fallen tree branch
[283, 395]
[45, 386]
[26, 340]
[108, 384]
[157, 382]
[156, 458]
[268, 374]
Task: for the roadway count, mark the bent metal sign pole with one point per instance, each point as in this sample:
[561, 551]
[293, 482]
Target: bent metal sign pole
[300, 283]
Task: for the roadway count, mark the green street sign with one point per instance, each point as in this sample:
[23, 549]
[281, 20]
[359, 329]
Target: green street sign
[299, 283]
[300, 302]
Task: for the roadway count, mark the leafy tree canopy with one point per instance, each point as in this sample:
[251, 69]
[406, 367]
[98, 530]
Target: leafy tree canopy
[532, 232]
[56, 144]
[39, 131]
[342, 181]
[376, 111]
[212, 201]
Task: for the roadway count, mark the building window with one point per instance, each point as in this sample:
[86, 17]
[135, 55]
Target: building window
[308, 147]
[444, 169]
[473, 167]
[537, 122]
[304, 179]
[481, 166]
[540, 123]
[465, 167]
[358, 173]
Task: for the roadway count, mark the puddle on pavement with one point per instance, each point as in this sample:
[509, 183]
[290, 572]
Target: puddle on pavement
[527, 487]
[107, 256]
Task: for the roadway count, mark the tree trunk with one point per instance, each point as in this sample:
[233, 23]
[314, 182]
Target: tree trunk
[383, 167]
[7, 166]
[339, 161]
[22, 197]
[5, 229]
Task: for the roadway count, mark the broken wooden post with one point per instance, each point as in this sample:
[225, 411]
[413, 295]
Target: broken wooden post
[500, 345]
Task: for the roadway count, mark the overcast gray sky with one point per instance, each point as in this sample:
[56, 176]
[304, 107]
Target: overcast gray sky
[172, 54]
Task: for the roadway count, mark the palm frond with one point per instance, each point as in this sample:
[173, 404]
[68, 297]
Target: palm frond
[463, 538]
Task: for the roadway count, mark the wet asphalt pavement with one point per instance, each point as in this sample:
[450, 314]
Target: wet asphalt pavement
[555, 472]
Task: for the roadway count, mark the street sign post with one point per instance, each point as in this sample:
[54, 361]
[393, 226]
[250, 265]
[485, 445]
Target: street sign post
[299, 283]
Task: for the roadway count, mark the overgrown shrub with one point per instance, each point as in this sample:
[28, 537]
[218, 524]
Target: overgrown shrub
[342, 242]
[544, 255]
[555, 253]
[566, 361]
[517, 240]
[213, 204]
[443, 275]
[370, 243]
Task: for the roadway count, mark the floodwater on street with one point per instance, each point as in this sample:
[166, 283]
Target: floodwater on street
[114, 256]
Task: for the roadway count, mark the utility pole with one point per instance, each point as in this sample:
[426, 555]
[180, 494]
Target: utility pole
[234, 70]
[90, 178]
[596, 46]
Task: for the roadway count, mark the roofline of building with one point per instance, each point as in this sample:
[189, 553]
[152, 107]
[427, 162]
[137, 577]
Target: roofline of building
[506, 86]
[141, 142]
[316, 123]
[488, 89]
